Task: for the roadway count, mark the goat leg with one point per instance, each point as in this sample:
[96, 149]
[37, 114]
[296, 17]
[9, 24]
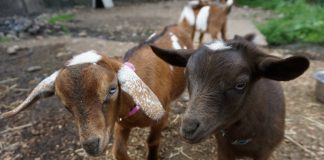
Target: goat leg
[120, 142]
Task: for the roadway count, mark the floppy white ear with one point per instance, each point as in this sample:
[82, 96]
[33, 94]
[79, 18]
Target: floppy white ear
[140, 92]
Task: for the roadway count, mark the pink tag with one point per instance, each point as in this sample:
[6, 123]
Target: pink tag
[130, 65]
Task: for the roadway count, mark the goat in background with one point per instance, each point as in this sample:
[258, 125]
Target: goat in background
[206, 17]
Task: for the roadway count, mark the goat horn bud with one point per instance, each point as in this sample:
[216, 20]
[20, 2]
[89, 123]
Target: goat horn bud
[44, 89]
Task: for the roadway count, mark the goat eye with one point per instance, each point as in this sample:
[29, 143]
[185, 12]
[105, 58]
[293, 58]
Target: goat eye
[240, 86]
[112, 90]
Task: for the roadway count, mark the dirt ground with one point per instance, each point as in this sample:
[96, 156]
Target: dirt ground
[47, 131]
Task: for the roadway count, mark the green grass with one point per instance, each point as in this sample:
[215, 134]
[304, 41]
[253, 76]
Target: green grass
[298, 21]
[4, 39]
[61, 18]
[266, 4]
[55, 20]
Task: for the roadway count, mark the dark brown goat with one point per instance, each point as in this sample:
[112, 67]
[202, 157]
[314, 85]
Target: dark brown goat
[235, 95]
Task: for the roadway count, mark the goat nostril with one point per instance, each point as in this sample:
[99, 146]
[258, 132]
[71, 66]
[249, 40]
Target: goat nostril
[190, 127]
[91, 146]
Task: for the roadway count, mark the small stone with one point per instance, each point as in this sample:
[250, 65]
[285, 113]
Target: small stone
[34, 68]
[35, 132]
[80, 152]
[39, 37]
[185, 97]
[13, 147]
[37, 158]
[12, 36]
[119, 28]
[179, 104]
[83, 33]
[62, 54]
[18, 156]
[34, 29]
[13, 49]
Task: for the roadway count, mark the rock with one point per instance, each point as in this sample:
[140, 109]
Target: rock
[13, 49]
[12, 35]
[185, 97]
[119, 28]
[18, 156]
[34, 68]
[13, 147]
[80, 152]
[21, 24]
[34, 29]
[23, 35]
[62, 54]
[83, 33]
[39, 37]
[37, 158]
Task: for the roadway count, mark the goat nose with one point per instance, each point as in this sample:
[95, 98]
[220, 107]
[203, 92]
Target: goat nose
[190, 126]
[91, 146]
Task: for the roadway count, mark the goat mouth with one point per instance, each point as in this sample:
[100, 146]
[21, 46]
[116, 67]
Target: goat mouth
[194, 138]
[199, 136]
[98, 153]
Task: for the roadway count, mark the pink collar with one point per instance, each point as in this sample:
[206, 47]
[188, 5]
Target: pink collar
[136, 108]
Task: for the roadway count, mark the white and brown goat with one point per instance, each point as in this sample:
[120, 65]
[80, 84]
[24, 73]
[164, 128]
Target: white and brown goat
[235, 94]
[206, 17]
[106, 96]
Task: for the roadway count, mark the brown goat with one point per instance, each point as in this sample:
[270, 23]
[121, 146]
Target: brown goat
[235, 95]
[105, 96]
[206, 17]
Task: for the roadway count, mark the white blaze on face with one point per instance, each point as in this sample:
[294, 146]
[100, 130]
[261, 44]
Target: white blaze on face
[193, 2]
[86, 57]
[140, 92]
[188, 14]
[202, 19]
[217, 45]
[229, 2]
[174, 40]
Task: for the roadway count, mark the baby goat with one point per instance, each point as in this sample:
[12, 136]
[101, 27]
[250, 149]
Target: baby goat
[206, 17]
[105, 96]
[235, 94]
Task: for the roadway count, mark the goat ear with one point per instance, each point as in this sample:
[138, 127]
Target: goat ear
[44, 89]
[140, 92]
[282, 69]
[249, 37]
[174, 57]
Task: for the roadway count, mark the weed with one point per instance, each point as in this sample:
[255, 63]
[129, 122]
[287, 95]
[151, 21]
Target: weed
[298, 21]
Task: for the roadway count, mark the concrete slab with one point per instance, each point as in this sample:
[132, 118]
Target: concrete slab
[239, 27]
[242, 27]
